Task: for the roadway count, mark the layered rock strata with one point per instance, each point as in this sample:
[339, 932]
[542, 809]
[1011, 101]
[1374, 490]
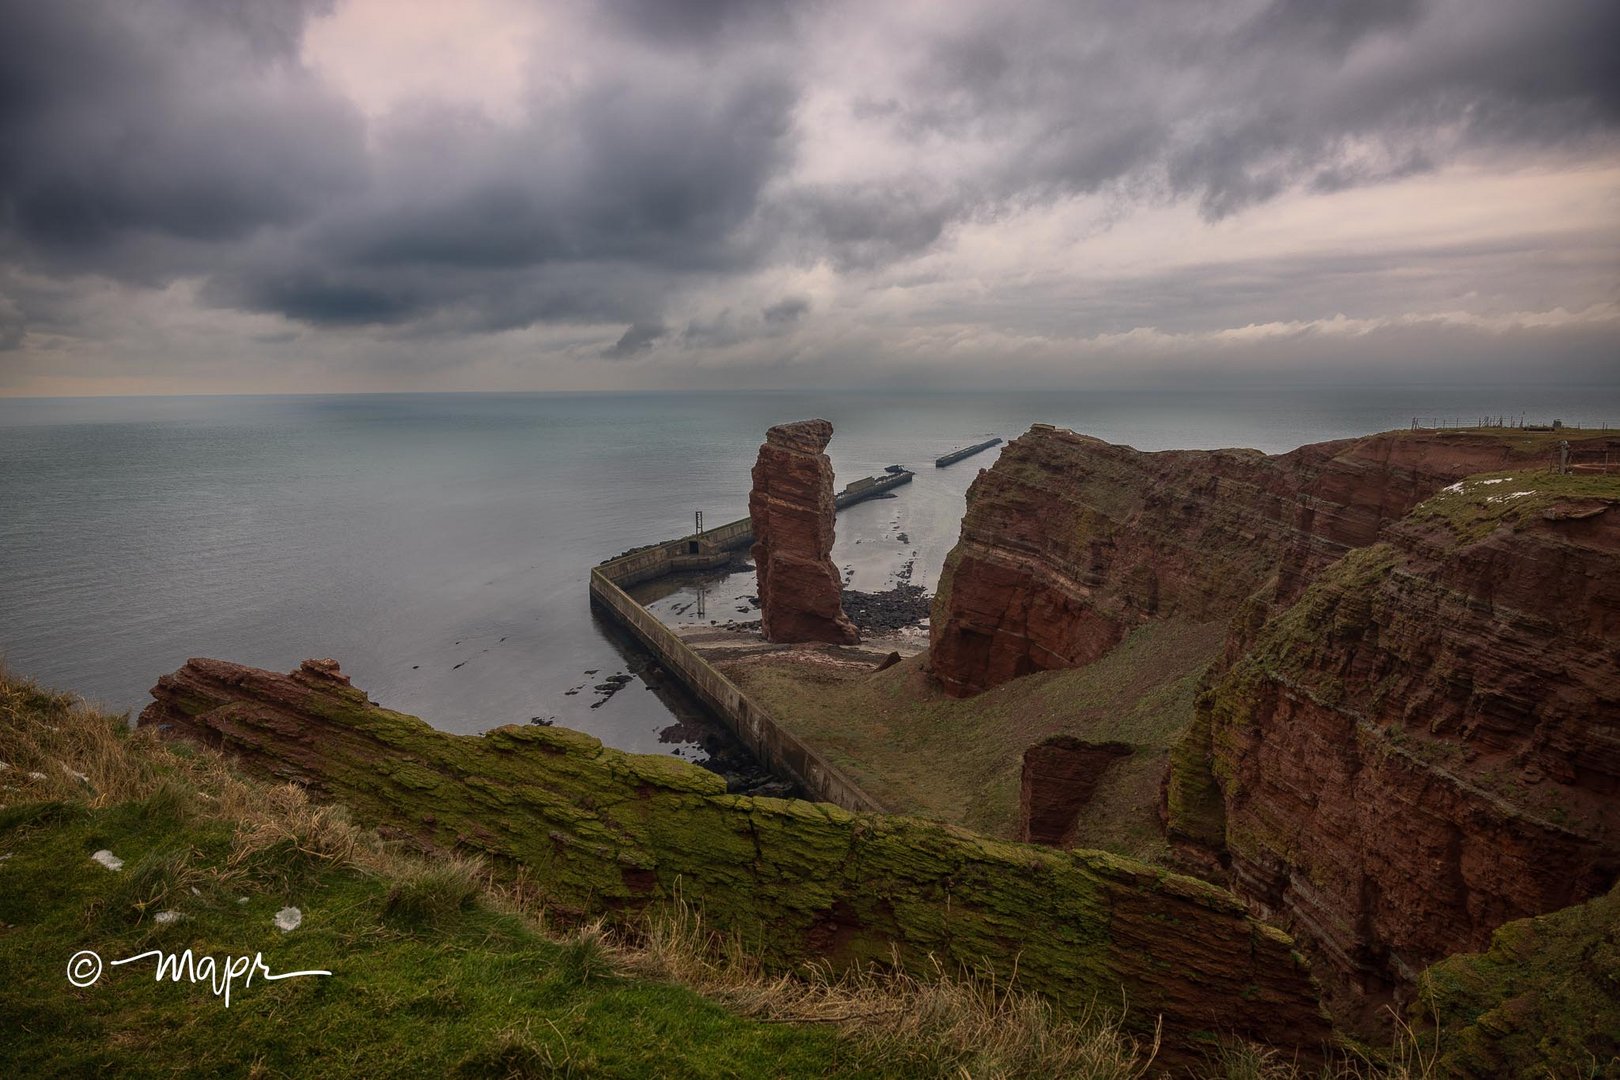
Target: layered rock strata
[791, 506]
[1413, 735]
[1069, 542]
[598, 830]
[1426, 745]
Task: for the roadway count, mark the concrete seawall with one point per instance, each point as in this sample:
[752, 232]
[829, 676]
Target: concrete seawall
[870, 487]
[775, 747]
[957, 455]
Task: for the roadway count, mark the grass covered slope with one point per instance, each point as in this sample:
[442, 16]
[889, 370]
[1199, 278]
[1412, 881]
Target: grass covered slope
[437, 969]
[958, 760]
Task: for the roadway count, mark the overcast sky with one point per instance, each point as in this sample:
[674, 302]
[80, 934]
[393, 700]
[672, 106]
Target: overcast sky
[202, 196]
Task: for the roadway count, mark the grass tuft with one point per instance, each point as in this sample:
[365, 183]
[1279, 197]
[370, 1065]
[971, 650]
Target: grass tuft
[1412, 1056]
[589, 956]
[143, 889]
[430, 897]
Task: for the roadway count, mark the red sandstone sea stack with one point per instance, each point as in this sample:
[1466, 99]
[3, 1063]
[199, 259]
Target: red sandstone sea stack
[792, 509]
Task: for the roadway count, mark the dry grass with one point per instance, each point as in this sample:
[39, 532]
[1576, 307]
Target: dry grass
[962, 1023]
[1409, 1058]
[52, 746]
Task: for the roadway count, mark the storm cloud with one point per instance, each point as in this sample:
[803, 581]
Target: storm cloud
[790, 187]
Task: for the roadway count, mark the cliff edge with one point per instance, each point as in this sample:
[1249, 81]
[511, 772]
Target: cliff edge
[1412, 734]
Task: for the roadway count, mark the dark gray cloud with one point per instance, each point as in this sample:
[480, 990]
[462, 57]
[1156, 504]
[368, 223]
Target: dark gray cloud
[863, 225]
[180, 121]
[1330, 28]
[688, 146]
[787, 311]
[12, 329]
[638, 338]
[153, 140]
[704, 22]
[1232, 104]
[570, 215]
[728, 329]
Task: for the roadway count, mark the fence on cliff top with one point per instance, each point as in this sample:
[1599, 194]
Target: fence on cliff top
[1513, 423]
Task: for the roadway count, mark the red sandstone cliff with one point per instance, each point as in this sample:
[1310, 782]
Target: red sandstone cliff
[1069, 541]
[792, 510]
[1414, 735]
[1427, 744]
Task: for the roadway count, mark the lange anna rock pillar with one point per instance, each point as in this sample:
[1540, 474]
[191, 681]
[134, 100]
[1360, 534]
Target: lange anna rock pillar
[792, 510]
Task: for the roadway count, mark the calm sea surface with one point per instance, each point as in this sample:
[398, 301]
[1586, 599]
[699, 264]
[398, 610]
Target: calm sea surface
[438, 545]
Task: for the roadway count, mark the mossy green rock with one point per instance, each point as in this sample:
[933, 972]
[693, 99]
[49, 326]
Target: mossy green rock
[1544, 1000]
[601, 831]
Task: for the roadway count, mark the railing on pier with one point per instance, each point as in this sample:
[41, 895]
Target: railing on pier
[777, 748]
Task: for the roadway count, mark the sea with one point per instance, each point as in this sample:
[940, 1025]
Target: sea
[438, 545]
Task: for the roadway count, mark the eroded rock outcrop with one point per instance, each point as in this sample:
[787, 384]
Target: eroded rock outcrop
[1058, 778]
[1069, 542]
[1426, 744]
[598, 830]
[791, 505]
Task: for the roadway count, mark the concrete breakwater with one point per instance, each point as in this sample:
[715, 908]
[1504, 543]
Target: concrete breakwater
[775, 747]
[870, 487]
[966, 452]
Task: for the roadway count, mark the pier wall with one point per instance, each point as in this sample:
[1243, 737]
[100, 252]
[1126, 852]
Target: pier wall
[775, 747]
[712, 548]
[870, 487]
[957, 455]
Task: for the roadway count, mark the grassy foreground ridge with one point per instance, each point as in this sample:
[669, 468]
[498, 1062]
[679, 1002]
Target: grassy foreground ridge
[440, 966]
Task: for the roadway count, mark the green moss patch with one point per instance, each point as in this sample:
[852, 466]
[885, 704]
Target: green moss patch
[1543, 1000]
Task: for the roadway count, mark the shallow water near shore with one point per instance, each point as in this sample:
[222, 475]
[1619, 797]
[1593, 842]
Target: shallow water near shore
[439, 545]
